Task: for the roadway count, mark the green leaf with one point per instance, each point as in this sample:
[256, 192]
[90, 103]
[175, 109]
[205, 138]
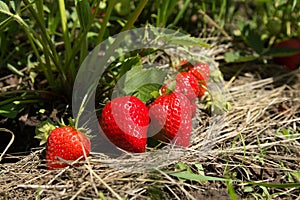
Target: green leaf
[15, 70]
[42, 130]
[231, 192]
[137, 77]
[155, 192]
[15, 5]
[11, 110]
[296, 175]
[253, 39]
[276, 185]
[147, 92]
[188, 41]
[282, 52]
[197, 177]
[182, 166]
[236, 57]
[83, 10]
[5, 15]
[178, 38]
[4, 7]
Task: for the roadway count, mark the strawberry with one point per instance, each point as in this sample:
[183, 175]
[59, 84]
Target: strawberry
[183, 65]
[202, 74]
[202, 88]
[168, 87]
[125, 122]
[66, 143]
[200, 70]
[292, 62]
[187, 84]
[171, 117]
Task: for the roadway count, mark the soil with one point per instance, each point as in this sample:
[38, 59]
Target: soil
[264, 99]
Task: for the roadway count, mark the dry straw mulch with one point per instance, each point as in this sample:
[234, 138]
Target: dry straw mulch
[249, 146]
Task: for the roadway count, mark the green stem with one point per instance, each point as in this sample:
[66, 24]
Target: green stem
[33, 37]
[135, 15]
[45, 41]
[65, 31]
[181, 12]
[110, 7]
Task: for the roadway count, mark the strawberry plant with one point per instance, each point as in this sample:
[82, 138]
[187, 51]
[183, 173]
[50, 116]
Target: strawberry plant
[76, 31]
[269, 24]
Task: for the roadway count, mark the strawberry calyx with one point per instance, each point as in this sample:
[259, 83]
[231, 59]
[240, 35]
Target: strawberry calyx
[168, 87]
[43, 130]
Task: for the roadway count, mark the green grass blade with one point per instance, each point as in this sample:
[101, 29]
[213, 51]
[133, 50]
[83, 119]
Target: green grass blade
[197, 177]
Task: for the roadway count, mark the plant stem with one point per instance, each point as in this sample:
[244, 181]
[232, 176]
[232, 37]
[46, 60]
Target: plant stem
[134, 16]
[44, 42]
[63, 17]
[181, 12]
[110, 7]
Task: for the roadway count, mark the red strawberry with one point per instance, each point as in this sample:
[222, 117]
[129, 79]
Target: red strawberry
[187, 84]
[293, 61]
[183, 65]
[202, 88]
[67, 143]
[125, 122]
[200, 70]
[171, 118]
[168, 87]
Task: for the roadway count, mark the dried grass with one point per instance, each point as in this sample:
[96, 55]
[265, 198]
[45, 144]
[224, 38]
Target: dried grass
[243, 144]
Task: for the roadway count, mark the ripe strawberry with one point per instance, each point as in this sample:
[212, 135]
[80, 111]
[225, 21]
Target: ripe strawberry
[171, 119]
[292, 62]
[200, 70]
[125, 122]
[168, 87]
[67, 143]
[202, 88]
[187, 84]
[183, 65]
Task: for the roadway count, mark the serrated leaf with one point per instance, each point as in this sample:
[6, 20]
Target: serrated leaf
[147, 92]
[42, 130]
[138, 77]
[178, 38]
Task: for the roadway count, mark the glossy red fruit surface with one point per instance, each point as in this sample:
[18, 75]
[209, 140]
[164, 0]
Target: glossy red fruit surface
[187, 84]
[200, 70]
[292, 62]
[172, 114]
[125, 122]
[66, 143]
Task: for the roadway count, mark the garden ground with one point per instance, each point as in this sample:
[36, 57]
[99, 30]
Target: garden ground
[253, 153]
